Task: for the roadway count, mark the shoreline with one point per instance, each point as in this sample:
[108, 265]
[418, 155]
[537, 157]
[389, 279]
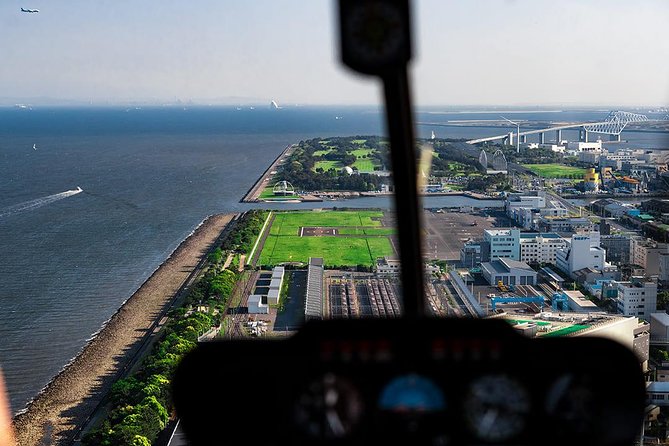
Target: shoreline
[256, 189]
[56, 412]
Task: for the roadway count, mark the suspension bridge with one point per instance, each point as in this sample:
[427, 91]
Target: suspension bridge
[613, 125]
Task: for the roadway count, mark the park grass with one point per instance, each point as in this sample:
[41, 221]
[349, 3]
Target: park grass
[322, 152]
[268, 194]
[285, 245]
[364, 165]
[367, 231]
[327, 165]
[555, 170]
[358, 141]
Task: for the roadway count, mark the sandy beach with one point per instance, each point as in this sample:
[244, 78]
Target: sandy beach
[72, 395]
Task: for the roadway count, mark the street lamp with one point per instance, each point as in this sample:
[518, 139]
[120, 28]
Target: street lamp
[517, 133]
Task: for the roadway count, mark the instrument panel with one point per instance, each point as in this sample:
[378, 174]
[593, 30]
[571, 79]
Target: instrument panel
[430, 381]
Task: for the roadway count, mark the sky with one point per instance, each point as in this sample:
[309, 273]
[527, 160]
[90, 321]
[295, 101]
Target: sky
[485, 52]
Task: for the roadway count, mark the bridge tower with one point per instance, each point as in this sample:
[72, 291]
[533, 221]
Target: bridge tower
[583, 134]
[558, 136]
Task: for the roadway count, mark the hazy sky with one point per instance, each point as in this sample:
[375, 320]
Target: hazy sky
[467, 52]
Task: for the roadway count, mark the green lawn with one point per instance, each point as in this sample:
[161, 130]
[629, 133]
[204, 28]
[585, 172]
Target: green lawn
[285, 245]
[565, 331]
[268, 194]
[358, 141]
[364, 165]
[322, 152]
[554, 170]
[367, 231]
[327, 165]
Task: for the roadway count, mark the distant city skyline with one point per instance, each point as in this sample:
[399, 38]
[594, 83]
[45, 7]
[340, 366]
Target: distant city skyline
[515, 53]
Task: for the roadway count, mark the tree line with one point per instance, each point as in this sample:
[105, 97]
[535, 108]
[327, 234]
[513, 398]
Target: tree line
[140, 405]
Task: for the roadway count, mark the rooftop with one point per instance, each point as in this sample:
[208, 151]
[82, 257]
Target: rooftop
[503, 266]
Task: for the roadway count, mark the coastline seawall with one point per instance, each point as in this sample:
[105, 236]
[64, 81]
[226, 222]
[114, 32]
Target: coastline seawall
[54, 415]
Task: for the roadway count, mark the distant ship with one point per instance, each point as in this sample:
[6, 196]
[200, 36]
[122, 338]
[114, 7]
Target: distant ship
[273, 105]
[433, 136]
[338, 117]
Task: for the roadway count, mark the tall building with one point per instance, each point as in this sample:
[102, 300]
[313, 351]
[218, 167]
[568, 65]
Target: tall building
[646, 252]
[582, 251]
[637, 298]
[504, 243]
[617, 248]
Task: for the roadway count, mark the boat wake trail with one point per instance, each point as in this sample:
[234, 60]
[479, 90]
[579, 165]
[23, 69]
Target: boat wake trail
[38, 202]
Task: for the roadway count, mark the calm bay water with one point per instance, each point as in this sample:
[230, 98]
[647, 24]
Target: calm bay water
[69, 259]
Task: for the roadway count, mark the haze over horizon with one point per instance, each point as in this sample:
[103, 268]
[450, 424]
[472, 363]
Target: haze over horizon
[512, 53]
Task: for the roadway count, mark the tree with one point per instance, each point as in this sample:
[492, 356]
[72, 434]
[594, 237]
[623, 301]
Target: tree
[140, 440]
[662, 300]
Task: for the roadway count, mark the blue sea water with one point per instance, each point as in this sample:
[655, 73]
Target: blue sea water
[148, 176]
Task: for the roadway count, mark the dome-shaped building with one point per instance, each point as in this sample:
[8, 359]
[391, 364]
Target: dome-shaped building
[283, 188]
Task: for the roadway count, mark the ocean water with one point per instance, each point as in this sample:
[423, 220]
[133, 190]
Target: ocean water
[148, 177]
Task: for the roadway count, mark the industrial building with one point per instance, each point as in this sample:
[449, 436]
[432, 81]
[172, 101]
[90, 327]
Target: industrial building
[628, 331]
[637, 298]
[504, 243]
[509, 272]
[581, 251]
[256, 305]
[313, 306]
[540, 247]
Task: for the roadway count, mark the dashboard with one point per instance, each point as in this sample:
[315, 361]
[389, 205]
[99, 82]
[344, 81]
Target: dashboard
[422, 381]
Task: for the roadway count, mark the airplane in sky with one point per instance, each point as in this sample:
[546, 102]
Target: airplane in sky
[29, 10]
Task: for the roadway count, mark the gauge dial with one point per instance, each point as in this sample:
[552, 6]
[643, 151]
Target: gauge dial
[411, 394]
[571, 400]
[496, 407]
[329, 407]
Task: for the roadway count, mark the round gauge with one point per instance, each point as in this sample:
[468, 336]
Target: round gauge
[496, 407]
[570, 399]
[329, 407]
[410, 394]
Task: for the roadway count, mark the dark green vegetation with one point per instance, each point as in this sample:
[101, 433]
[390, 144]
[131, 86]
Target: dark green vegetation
[317, 164]
[556, 171]
[362, 239]
[243, 235]
[140, 404]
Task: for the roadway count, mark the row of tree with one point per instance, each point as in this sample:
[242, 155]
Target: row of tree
[141, 403]
[244, 233]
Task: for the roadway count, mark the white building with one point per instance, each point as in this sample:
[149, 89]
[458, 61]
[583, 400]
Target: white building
[663, 267]
[540, 247]
[637, 298]
[579, 304]
[582, 251]
[508, 271]
[646, 253]
[274, 293]
[256, 306]
[579, 146]
[388, 265]
[659, 328]
[504, 243]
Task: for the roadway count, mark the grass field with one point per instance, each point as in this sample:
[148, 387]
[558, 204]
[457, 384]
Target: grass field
[268, 194]
[358, 141]
[554, 170]
[362, 164]
[327, 165]
[284, 243]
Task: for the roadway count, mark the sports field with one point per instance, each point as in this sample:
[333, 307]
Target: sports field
[555, 170]
[359, 238]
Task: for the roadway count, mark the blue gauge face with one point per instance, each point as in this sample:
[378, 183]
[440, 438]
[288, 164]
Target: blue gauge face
[411, 393]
